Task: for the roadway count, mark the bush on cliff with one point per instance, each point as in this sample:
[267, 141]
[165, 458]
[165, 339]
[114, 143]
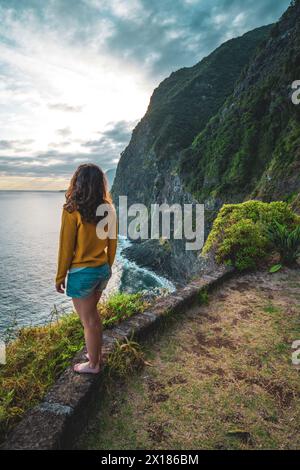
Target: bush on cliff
[239, 235]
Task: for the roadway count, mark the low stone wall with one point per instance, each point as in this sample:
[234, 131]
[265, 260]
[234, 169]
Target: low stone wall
[55, 423]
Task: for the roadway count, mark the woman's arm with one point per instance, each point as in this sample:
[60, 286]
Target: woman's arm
[112, 241]
[67, 243]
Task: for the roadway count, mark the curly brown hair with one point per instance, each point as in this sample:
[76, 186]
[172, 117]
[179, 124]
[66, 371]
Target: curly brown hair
[88, 189]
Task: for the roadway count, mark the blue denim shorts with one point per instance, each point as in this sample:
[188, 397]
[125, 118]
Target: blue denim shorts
[82, 282]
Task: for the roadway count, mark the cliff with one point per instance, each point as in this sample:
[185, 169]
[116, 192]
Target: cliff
[251, 148]
[222, 131]
[179, 109]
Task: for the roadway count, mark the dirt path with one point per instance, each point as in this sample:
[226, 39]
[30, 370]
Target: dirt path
[221, 376]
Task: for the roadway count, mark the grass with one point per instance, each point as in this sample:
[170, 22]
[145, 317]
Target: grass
[120, 306]
[220, 378]
[39, 355]
[126, 358]
[203, 297]
[271, 309]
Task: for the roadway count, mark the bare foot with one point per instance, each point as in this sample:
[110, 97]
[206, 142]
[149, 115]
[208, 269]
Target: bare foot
[85, 368]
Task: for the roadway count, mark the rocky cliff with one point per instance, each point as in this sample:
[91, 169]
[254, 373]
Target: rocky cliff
[222, 131]
[251, 147]
[179, 109]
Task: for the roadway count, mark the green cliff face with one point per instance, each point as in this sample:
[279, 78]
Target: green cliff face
[179, 109]
[223, 131]
[251, 147]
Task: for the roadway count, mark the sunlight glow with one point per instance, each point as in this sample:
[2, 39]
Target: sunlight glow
[49, 84]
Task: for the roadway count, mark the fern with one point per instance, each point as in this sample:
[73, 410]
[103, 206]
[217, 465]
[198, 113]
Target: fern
[285, 241]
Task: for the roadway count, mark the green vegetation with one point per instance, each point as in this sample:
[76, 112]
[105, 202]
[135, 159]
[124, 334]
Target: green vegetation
[275, 268]
[179, 109]
[39, 354]
[250, 148]
[240, 237]
[203, 297]
[126, 358]
[286, 241]
[183, 103]
[120, 306]
[271, 309]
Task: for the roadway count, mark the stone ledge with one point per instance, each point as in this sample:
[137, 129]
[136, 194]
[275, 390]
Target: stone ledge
[55, 423]
[42, 428]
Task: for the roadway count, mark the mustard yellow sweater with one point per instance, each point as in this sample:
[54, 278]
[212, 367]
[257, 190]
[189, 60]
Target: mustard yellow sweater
[79, 245]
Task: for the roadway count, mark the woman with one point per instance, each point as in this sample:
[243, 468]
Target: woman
[85, 257]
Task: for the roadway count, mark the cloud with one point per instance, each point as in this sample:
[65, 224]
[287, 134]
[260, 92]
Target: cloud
[59, 145]
[67, 108]
[104, 151]
[57, 162]
[172, 34]
[15, 145]
[120, 131]
[65, 132]
[51, 164]
[115, 137]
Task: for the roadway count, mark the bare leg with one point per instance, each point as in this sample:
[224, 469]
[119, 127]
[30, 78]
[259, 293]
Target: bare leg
[87, 311]
[97, 298]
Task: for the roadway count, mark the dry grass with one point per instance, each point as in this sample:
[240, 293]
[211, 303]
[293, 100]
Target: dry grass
[221, 378]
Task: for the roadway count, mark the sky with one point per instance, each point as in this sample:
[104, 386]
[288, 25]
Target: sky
[76, 75]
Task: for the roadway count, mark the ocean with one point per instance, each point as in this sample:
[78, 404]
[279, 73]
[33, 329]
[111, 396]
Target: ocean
[29, 232]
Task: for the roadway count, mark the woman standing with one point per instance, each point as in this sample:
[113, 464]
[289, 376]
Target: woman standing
[86, 258]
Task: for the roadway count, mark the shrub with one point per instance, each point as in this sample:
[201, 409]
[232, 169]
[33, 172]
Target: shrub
[127, 357]
[119, 306]
[239, 234]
